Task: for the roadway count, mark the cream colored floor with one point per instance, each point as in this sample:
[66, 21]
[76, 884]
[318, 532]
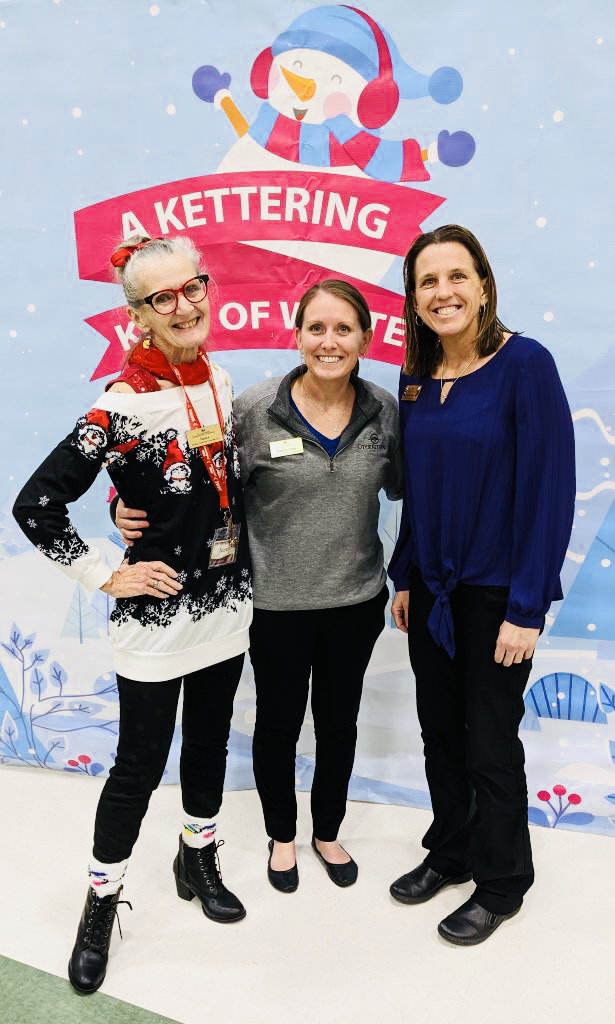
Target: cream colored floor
[322, 955]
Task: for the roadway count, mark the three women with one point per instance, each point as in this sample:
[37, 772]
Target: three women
[487, 512]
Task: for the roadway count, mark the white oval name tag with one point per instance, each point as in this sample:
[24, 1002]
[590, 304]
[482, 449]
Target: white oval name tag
[288, 446]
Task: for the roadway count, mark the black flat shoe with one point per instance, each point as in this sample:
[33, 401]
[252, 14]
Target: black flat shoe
[197, 873]
[422, 883]
[283, 881]
[471, 924]
[342, 874]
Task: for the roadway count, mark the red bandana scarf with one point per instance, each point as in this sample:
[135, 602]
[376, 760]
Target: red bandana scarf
[152, 359]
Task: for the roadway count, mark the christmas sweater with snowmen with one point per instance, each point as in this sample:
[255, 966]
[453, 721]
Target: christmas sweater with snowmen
[140, 439]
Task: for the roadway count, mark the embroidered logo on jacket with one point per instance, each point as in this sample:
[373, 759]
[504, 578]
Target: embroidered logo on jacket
[376, 444]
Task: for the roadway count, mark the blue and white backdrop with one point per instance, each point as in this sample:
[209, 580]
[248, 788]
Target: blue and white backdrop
[241, 125]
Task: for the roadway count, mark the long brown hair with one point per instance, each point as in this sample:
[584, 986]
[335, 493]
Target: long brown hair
[422, 343]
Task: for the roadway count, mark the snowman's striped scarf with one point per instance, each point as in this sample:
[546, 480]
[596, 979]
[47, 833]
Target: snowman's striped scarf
[337, 143]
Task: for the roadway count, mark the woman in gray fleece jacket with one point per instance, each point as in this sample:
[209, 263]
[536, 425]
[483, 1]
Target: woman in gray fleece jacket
[316, 447]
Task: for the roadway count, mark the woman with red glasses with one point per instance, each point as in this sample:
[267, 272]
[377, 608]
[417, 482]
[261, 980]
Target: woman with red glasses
[164, 433]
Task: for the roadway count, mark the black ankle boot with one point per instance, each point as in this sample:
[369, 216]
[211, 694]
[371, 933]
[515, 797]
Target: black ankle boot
[88, 963]
[197, 873]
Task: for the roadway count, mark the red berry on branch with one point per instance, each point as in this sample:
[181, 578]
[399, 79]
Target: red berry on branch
[73, 764]
[543, 794]
[574, 798]
[559, 790]
[85, 759]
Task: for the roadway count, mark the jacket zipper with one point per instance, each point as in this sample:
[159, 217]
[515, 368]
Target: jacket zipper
[312, 440]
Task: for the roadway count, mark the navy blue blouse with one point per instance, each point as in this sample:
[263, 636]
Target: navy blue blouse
[489, 485]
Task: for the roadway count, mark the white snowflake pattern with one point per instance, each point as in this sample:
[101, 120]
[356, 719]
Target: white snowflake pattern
[65, 551]
[43, 500]
[221, 585]
[182, 576]
[155, 447]
[245, 573]
[178, 550]
[197, 574]
[32, 523]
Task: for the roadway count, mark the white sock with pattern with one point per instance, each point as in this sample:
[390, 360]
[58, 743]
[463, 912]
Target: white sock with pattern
[106, 879]
[198, 832]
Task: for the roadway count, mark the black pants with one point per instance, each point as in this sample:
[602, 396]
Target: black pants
[147, 723]
[469, 709]
[335, 645]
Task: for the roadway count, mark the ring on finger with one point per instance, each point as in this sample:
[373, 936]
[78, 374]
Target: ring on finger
[156, 584]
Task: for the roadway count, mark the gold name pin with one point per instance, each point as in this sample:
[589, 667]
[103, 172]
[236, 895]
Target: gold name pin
[200, 436]
[411, 392]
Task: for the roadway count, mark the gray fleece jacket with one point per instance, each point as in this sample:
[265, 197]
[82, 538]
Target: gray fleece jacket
[313, 520]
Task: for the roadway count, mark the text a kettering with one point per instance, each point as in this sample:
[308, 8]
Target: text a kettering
[253, 203]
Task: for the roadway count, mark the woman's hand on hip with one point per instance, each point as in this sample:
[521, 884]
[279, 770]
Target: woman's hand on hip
[153, 578]
[130, 522]
[515, 643]
[399, 609]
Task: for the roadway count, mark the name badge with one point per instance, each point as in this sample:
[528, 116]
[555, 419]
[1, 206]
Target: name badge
[203, 435]
[288, 446]
[411, 392]
[223, 550]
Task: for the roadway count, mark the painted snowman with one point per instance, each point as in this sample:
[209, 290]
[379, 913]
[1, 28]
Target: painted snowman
[329, 83]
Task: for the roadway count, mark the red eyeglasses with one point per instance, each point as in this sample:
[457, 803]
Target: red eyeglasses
[166, 300]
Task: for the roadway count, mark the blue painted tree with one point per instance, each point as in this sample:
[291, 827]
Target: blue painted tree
[81, 618]
[587, 611]
[37, 716]
[102, 606]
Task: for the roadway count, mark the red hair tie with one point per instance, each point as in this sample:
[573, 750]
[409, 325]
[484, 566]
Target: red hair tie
[121, 256]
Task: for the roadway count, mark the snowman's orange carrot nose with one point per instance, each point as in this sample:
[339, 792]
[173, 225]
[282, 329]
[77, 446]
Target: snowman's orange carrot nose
[304, 88]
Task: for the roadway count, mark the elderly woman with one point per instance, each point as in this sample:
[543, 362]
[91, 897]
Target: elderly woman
[164, 432]
[316, 448]
[487, 515]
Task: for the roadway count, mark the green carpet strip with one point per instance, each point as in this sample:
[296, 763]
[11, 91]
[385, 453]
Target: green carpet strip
[28, 995]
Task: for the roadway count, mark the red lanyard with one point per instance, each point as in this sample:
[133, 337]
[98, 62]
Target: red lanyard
[217, 475]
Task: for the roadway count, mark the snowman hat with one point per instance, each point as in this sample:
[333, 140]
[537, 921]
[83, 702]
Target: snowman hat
[355, 38]
[174, 456]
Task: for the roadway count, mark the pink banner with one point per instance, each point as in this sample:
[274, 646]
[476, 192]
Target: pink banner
[261, 315]
[228, 208]
[256, 291]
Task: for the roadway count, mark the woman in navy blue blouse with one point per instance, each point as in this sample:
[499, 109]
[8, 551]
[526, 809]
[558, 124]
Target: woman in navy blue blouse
[487, 514]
